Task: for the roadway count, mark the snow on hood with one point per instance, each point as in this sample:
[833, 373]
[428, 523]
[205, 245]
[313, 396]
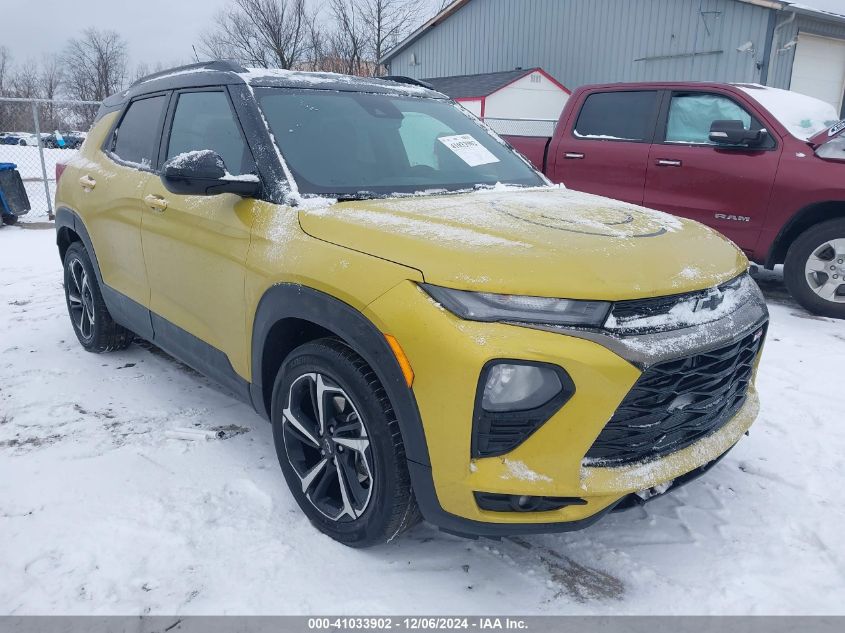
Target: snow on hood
[802, 116]
[544, 241]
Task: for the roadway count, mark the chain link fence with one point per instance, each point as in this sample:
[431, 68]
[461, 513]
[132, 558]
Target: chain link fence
[522, 127]
[35, 134]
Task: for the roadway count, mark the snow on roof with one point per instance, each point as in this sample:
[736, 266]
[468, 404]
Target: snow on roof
[803, 116]
[833, 8]
[296, 78]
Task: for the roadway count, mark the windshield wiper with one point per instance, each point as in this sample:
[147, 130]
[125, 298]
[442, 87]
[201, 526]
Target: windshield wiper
[361, 195]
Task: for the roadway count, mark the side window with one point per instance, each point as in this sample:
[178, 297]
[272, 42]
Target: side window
[618, 116]
[135, 137]
[691, 115]
[204, 120]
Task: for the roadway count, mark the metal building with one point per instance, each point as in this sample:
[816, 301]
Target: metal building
[772, 42]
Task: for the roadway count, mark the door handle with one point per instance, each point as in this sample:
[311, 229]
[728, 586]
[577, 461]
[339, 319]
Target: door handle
[574, 155]
[665, 162]
[87, 182]
[156, 203]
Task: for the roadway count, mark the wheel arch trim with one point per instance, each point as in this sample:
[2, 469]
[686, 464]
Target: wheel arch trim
[67, 218]
[297, 302]
[804, 219]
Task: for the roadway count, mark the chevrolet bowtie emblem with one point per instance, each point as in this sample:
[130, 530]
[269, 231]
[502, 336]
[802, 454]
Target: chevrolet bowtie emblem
[710, 302]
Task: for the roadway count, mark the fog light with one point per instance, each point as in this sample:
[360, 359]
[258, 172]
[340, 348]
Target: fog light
[513, 399]
[512, 387]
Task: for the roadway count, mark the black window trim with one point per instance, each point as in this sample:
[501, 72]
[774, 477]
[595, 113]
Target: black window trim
[655, 116]
[108, 144]
[171, 113]
[663, 121]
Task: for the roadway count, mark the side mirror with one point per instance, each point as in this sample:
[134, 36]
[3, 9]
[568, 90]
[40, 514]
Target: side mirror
[203, 173]
[733, 133]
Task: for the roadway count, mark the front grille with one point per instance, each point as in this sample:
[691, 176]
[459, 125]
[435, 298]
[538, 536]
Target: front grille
[625, 312]
[678, 402]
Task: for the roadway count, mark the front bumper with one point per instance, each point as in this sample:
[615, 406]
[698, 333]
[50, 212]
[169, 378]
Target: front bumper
[447, 355]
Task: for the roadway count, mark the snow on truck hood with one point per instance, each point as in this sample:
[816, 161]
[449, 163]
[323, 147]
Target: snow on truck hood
[545, 242]
[804, 117]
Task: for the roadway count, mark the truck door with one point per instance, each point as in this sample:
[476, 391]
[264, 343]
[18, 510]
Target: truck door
[726, 188]
[603, 148]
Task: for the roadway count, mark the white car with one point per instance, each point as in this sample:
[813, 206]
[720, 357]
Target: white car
[25, 138]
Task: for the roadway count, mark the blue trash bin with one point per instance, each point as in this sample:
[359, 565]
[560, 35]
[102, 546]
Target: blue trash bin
[13, 198]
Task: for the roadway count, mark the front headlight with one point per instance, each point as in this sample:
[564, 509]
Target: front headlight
[487, 306]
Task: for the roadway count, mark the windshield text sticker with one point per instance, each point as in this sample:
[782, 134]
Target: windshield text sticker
[469, 150]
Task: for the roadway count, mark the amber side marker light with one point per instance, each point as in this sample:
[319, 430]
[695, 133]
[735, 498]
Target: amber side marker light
[403, 361]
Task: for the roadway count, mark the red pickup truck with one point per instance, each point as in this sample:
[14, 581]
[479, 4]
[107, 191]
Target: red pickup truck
[766, 167]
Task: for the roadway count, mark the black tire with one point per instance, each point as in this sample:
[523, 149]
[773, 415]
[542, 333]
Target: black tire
[96, 330]
[801, 285]
[363, 409]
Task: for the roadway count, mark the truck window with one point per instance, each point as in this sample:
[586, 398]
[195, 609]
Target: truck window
[691, 115]
[135, 137]
[204, 120]
[618, 116]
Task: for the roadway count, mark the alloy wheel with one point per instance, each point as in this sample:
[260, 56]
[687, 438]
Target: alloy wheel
[328, 447]
[80, 299]
[825, 270]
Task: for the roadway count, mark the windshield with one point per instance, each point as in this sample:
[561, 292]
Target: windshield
[352, 143]
[803, 116]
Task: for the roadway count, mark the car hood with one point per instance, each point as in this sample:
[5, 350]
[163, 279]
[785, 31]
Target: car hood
[548, 242]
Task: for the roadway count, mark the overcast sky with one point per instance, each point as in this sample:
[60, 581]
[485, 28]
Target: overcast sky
[155, 30]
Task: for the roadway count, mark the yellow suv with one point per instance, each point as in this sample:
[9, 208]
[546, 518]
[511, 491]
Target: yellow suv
[430, 327]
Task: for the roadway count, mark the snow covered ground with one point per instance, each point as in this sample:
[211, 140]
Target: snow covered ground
[101, 513]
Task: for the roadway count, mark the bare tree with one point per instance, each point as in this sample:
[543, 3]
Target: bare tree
[264, 33]
[95, 65]
[5, 68]
[348, 41]
[386, 22]
[50, 78]
[143, 69]
[24, 81]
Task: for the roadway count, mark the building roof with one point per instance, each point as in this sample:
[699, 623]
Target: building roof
[819, 9]
[482, 85]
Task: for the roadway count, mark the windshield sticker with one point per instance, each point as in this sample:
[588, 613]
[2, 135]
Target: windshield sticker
[836, 129]
[469, 150]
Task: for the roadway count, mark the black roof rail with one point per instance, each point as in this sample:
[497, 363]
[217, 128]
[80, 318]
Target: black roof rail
[401, 79]
[223, 65]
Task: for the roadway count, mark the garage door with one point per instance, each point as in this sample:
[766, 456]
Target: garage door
[819, 68]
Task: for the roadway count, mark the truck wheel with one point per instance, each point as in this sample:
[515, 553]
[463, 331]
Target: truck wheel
[814, 270]
[339, 446]
[96, 330]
